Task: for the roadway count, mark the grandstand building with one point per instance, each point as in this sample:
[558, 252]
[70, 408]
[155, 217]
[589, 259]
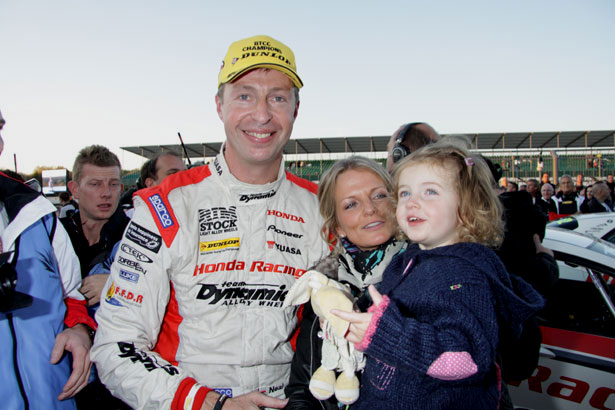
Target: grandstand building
[522, 155]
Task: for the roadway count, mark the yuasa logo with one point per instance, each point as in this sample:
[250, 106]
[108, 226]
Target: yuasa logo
[283, 248]
[161, 210]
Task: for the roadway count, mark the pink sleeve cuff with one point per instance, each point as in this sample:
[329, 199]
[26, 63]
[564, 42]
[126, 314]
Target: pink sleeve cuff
[452, 366]
[373, 324]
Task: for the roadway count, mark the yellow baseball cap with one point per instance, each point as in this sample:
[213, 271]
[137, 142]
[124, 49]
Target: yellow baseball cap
[256, 52]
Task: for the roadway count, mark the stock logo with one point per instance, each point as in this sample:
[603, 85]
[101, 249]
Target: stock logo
[217, 220]
[161, 210]
[251, 197]
[242, 293]
[129, 250]
[143, 237]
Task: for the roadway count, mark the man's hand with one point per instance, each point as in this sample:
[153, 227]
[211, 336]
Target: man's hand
[92, 286]
[77, 341]
[248, 401]
[359, 322]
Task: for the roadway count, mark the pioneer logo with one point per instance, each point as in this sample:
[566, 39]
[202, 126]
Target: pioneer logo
[284, 215]
[242, 293]
[217, 220]
[282, 232]
[161, 210]
[129, 250]
[250, 197]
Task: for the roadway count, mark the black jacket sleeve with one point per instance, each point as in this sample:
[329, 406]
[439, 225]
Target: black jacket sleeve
[305, 362]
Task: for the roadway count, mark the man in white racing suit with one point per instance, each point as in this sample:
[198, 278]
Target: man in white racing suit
[194, 299]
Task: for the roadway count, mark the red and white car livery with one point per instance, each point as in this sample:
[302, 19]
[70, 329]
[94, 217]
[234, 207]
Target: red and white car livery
[577, 364]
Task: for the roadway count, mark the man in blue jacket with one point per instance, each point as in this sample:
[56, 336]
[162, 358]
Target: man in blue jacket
[35, 334]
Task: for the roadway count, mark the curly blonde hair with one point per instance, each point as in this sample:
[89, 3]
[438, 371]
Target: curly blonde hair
[479, 215]
[328, 182]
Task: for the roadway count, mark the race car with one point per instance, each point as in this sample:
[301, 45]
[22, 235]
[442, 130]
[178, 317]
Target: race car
[599, 225]
[577, 364]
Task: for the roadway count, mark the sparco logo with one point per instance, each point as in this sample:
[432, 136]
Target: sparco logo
[143, 237]
[218, 167]
[285, 233]
[163, 214]
[241, 293]
[217, 220]
[131, 264]
[283, 248]
[285, 215]
[250, 197]
[141, 257]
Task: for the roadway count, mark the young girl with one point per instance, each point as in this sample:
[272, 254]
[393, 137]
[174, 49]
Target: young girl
[431, 340]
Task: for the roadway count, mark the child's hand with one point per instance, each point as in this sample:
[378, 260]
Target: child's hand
[359, 322]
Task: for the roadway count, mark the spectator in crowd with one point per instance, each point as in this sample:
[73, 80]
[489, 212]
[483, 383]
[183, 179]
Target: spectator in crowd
[512, 186]
[587, 193]
[568, 200]
[356, 203]
[160, 167]
[98, 223]
[546, 202]
[94, 229]
[407, 139]
[533, 187]
[601, 201]
[67, 205]
[153, 171]
[219, 245]
[44, 329]
[522, 186]
[611, 184]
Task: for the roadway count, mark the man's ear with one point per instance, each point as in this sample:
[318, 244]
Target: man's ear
[149, 182]
[296, 109]
[219, 107]
[73, 187]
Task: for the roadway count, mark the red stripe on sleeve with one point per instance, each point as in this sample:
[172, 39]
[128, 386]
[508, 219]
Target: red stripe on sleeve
[168, 339]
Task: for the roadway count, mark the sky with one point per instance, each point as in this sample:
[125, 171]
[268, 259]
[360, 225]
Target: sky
[129, 72]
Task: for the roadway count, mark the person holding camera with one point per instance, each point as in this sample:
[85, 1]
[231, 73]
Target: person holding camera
[42, 313]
